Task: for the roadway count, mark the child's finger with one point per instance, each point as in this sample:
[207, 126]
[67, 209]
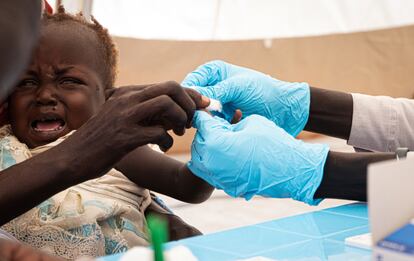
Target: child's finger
[236, 116]
[158, 135]
[201, 101]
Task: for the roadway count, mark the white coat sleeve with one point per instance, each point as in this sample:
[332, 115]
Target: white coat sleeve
[381, 123]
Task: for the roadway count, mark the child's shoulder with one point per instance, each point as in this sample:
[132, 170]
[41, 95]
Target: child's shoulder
[12, 151]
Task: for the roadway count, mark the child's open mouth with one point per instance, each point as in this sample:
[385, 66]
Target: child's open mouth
[46, 127]
[48, 123]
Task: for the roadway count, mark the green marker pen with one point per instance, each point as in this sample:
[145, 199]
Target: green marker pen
[158, 231]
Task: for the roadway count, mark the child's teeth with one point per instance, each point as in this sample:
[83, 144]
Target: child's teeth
[48, 126]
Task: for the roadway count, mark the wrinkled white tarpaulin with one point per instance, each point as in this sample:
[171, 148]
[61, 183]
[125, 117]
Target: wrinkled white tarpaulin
[247, 19]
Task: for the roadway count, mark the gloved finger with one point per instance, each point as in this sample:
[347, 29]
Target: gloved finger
[209, 126]
[254, 123]
[227, 92]
[197, 163]
[207, 74]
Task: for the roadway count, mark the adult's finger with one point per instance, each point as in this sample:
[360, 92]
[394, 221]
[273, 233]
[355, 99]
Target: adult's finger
[173, 90]
[254, 122]
[207, 74]
[157, 135]
[109, 93]
[123, 90]
[161, 111]
[226, 91]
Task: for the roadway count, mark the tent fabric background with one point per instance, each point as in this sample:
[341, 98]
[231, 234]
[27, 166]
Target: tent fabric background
[375, 62]
[246, 19]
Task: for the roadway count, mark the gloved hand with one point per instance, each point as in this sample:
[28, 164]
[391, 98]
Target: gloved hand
[284, 103]
[255, 157]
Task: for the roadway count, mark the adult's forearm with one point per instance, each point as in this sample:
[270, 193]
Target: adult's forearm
[345, 175]
[19, 23]
[330, 113]
[25, 185]
[131, 117]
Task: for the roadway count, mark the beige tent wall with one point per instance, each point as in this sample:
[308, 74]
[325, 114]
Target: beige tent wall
[377, 62]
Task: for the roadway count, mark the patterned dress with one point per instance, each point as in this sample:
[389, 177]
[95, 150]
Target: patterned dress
[95, 218]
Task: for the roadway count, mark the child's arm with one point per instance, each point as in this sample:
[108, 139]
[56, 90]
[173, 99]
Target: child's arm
[88, 153]
[162, 174]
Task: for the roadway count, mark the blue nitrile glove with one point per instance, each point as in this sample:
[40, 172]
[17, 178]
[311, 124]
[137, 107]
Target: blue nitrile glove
[284, 103]
[255, 157]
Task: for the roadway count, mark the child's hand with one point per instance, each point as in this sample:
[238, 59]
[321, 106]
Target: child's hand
[200, 101]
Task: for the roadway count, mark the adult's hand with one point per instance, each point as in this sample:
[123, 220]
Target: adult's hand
[143, 114]
[256, 157]
[284, 103]
[133, 116]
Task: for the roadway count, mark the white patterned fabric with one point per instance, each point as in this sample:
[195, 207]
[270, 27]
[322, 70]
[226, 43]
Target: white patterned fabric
[98, 217]
[7, 236]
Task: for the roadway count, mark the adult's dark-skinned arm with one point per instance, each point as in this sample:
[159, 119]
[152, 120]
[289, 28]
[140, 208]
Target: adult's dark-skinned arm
[330, 113]
[132, 117]
[345, 174]
[19, 28]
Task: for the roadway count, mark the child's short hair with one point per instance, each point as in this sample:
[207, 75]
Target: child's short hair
[105, 44]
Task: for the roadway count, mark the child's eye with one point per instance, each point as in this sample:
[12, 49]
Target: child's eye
[70, 81]
[28, 83]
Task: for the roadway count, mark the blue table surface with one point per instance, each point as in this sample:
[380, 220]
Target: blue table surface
[315, 235]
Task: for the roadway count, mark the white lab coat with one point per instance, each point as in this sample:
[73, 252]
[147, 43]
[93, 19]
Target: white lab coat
[381, 123]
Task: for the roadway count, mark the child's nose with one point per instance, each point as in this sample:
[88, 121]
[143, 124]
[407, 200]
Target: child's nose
[46, 95]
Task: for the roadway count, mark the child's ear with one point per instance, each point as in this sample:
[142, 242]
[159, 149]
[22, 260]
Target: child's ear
[4, 116]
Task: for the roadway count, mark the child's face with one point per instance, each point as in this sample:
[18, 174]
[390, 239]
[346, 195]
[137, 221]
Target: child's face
[62, 87]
